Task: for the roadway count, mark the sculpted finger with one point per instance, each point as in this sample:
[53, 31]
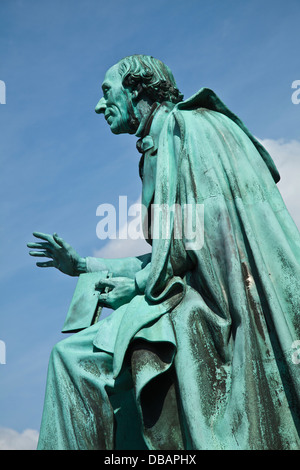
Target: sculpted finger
[103, 296]
[46, 264]
[42, 254]
[103, 299]
[42, 245]
[43, 236]
[48, 238]
[59, 240]
[105, 283]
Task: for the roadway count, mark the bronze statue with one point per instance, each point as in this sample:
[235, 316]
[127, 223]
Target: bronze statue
[198, 351]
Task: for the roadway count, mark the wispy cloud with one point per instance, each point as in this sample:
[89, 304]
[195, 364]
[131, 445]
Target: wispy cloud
[13, 440]
[286, 155]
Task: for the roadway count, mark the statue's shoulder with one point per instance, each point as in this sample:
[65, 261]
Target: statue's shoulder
[204, 98]
[190, 112]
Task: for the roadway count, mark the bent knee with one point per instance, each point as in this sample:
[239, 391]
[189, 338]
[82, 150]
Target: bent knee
[60, 351]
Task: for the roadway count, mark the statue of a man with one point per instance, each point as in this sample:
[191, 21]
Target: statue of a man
[198, 351]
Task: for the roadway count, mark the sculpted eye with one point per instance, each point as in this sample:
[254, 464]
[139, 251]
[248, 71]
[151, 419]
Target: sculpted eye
[105, 90]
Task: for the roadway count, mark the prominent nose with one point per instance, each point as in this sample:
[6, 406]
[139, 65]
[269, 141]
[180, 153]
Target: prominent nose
[101, 106]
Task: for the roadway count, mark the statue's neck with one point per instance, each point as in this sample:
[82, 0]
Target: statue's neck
[158, 113]
[146, 119]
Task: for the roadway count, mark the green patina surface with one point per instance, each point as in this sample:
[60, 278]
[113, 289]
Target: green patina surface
[198, 351]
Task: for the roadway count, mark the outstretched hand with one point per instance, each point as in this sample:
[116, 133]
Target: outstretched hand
[63, 256]
[121, 291]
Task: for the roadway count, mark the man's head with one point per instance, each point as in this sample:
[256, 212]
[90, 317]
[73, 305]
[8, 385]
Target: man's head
[131, 87]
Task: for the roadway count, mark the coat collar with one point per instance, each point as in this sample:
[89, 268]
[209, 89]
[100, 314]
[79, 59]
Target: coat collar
[150, 127]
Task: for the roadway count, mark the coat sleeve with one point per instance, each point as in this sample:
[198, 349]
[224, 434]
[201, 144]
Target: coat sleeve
[119, 267]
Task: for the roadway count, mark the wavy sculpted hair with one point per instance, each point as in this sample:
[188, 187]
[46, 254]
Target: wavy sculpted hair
[149, 76]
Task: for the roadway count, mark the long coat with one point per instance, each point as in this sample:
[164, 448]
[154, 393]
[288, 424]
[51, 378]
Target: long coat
[210, 340]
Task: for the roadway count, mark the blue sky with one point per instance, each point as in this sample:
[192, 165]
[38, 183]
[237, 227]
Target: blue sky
[59, 160]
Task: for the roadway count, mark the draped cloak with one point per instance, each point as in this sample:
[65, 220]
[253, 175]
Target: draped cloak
[211, 338]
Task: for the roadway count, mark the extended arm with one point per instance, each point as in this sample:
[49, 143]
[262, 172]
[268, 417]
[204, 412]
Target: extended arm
[119, 267]
[129, 274]
[66, 259]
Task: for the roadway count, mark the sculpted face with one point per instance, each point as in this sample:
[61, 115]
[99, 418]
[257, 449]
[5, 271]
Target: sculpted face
[116, 104]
